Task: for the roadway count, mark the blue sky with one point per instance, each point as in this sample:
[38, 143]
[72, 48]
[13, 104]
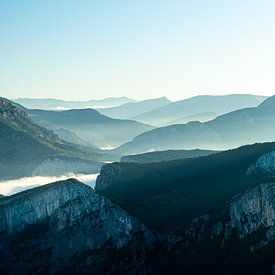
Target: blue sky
[138, 48]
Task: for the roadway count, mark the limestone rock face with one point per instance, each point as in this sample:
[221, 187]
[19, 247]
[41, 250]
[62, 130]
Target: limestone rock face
[253, 210]
[265, 164]
[109, 175]
[61, 221]
[249, 214]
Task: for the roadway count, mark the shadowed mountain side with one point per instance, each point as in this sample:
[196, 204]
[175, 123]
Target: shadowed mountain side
[166, 155]
[169, 195]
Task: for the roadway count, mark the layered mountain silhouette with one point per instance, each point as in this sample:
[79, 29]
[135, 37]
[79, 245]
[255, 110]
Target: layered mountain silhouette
[132, 109]
[90, 125]
[233, 129]
[53, 104]
[197, 105]
[192, 135]
[197, 211]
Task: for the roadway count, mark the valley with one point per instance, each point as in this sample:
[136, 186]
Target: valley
[191, 187]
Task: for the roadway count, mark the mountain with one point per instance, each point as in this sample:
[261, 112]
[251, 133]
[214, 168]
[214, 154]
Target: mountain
[72, 137]
[58, 104]
[199, 104]
[245, 126]
[190, 187]
[28, 149]
[67, 228]
[215, 213]
[206, 215]
[90, 125]
[189, 136]
[132, 109]
[201, 117]
[166, 155]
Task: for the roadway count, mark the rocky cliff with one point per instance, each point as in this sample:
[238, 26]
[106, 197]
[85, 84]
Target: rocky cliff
[109, 175]
[247, 214]
[66, 224]
[265, 164]
[254, 210]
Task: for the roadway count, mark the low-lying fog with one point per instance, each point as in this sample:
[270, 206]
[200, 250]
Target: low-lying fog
[10, 187]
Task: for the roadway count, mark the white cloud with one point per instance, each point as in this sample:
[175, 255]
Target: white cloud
[14, 186]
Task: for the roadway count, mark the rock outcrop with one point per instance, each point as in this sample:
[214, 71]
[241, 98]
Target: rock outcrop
[253, 210]
[109, 175]
[248, 213]
[265, 164]
[65, 224]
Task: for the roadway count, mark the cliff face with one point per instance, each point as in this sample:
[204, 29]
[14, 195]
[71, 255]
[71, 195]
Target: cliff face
[49, 227]
[253, 210]
[109, 175]
[265, 164]
[248, 214]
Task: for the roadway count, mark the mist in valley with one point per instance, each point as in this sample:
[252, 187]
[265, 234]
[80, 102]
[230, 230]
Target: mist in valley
[11, 187]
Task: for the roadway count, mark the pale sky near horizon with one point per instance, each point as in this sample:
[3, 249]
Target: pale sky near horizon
[137, 48]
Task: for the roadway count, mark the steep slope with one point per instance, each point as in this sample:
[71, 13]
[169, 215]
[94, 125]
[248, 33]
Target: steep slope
[132, 109]
[55, 104]
[166, 155]
[67, 227]
[26, 147]
[192, 135]
[240, 241]
[217, 212]
[199, 104]
[90, 125]
[168, 195]
[247, 125]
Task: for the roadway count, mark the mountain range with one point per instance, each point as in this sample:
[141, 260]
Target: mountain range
[230, 130]
[132, 109]
[197, 105]
[58, 104]
[191, 207]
